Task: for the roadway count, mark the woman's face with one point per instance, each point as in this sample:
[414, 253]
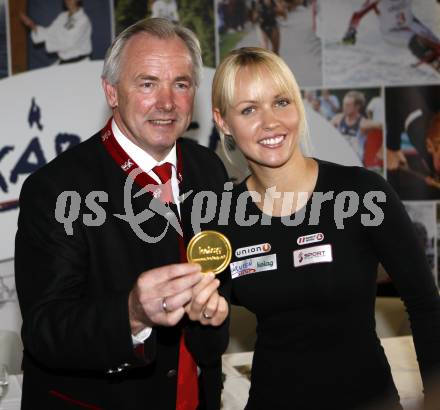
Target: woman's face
[262, 121]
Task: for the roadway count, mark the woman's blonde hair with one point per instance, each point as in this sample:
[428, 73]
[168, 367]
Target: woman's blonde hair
[259, 62]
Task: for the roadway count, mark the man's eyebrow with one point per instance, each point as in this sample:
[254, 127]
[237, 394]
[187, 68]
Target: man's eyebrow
[144, 77]
[184, 78]
[147, 77]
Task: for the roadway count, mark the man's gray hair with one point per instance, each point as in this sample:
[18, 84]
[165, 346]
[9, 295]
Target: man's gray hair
[159, 28]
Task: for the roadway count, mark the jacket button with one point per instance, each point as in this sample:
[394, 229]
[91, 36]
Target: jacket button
[171, 373]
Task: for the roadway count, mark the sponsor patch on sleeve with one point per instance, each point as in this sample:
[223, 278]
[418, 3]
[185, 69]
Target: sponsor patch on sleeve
[253, 265]
[313, 254]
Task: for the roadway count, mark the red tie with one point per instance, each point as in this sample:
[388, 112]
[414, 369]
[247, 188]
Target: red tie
[187, 384]
[165, 192]
[163, 172]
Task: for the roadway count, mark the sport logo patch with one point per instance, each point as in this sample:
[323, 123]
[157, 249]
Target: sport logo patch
[306, 239]
[253, 250]
[314, 254]
[253, 265]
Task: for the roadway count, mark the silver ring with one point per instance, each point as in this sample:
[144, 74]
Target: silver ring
[206, 316]
[164, 305]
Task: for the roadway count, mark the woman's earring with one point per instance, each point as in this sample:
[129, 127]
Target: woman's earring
[230, 143]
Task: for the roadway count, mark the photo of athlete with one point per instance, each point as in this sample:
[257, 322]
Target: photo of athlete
[423, 216]
[353, 127]
[413, 141]
[398, 24]
[264, 13]
[352, 123]
[69, 35]
[53, 32]
[370, 42]
[286, 27]
[166, 9]
[197, 15]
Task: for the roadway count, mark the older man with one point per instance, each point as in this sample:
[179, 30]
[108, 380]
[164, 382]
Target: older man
[113, 316]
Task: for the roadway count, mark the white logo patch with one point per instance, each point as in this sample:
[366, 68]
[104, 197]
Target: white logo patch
[127, 165]
[253, 250]
[314, 237]
[253, 265]
[314, 254]
[106, 135]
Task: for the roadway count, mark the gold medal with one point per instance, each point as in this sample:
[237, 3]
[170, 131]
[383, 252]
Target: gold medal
[210, 249]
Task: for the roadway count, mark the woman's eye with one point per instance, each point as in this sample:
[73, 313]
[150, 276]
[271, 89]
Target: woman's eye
[284, 102]
[248, 110]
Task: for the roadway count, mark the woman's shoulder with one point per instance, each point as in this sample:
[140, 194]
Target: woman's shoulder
[336, 176]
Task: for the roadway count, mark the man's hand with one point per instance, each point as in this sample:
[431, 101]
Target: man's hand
[159, 295]
[350, 36]
[395, 160]
[207, 306]
[29, 23]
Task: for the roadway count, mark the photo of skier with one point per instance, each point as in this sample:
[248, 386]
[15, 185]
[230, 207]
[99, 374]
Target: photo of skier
[399, 24]
[381, 41]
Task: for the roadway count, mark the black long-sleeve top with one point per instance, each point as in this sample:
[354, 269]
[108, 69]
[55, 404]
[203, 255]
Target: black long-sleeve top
[313, 287]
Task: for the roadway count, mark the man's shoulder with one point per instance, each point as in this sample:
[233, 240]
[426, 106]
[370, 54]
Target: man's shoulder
[194, 149]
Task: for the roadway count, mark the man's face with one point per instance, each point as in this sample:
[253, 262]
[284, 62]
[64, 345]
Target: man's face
[71, 4]
[349, 106]
[153, 99]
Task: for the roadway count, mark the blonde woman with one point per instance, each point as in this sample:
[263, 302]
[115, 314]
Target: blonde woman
[307, 238]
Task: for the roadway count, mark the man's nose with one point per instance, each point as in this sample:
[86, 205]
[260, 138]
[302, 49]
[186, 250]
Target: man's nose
[165, 99]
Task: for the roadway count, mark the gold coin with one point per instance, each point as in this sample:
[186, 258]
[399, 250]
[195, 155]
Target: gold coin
[210, 249]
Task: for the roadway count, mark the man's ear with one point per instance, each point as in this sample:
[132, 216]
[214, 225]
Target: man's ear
[220, 122]
[111, 94]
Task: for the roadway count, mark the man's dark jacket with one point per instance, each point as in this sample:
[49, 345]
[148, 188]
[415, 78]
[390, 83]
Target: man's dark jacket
[73, 289]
